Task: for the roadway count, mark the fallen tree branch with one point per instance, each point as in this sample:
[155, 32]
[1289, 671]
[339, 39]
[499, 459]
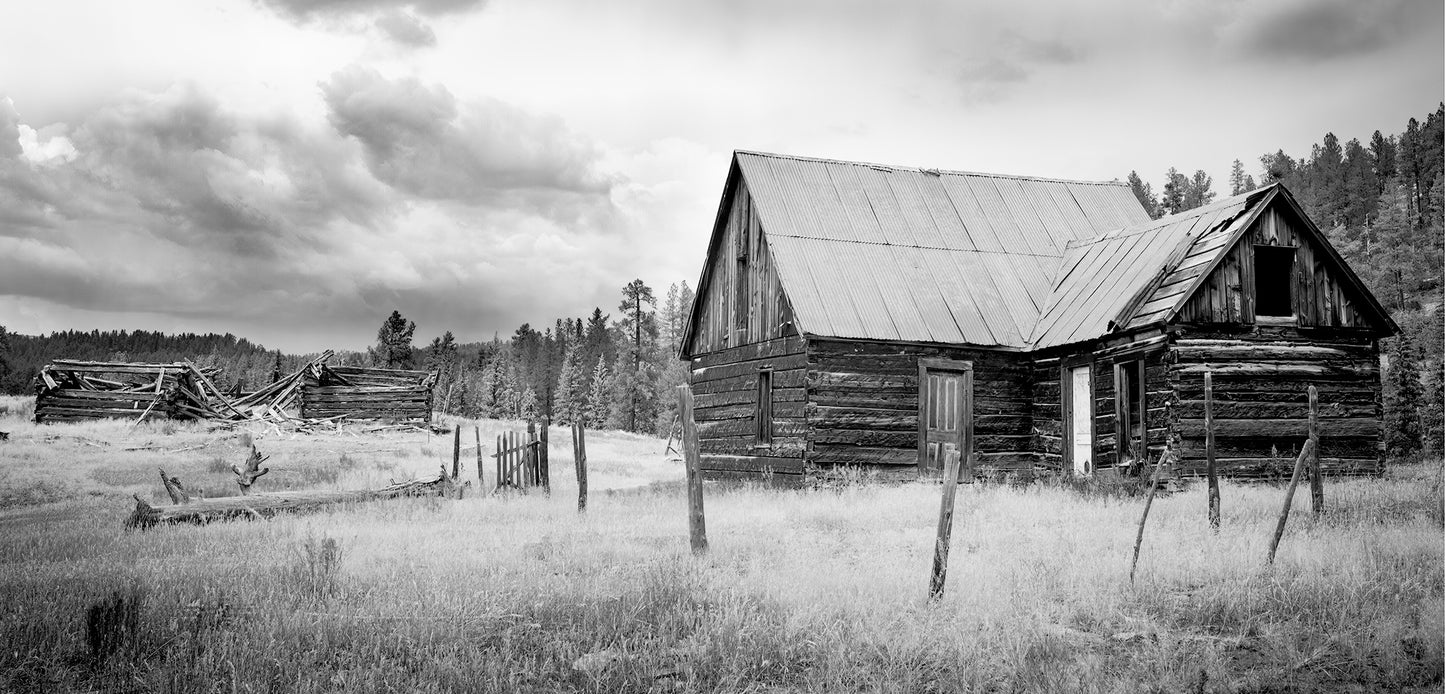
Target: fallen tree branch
[263, 505]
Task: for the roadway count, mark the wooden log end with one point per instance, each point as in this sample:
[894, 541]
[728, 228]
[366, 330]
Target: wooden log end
[144, 515]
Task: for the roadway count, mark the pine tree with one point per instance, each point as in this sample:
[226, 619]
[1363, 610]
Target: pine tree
[599, 396]
[393, 343]
[1278, 167]
[5, 366]
[527, 407]
[1172, 199]
[1360, 187]
[1402, 403]
[1382, 154]
[1249, 184]
[1196, 190]
[1236, 178]
[1434, 414]
[1145, 194]
[671, 330]
[571, 403]
[635, 374]
[441, 358]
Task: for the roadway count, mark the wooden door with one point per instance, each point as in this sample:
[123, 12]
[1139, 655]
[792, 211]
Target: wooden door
[945, 412]
[1081, 419]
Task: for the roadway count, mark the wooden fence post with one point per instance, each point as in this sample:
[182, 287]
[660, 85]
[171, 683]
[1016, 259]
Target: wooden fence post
[1317, 480]
[529, 465]
[579, 457]
[1148, 501]
[544, 465]
[696, 522]
[1209, 450]
[499, 460]
[481, 479]
[1299, 465]
[457, 452]
[945, 526]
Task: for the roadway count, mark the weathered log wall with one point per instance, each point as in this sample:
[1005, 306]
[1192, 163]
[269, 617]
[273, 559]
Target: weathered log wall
[725, 405]
[363, 393]
[1261, 405]
[72, 405]
[1047, 374]
[863, 404]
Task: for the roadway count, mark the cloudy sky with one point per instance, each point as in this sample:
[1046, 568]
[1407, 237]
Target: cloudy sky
[293, 170]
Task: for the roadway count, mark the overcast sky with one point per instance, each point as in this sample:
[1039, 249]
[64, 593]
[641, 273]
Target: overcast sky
[291, 171]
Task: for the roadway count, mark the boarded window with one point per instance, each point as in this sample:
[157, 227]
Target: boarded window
[1273, 280]
[764, 423]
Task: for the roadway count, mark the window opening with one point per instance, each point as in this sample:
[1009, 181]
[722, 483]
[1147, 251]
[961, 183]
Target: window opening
[1274, 280]
[764, 423]
[1131, 410]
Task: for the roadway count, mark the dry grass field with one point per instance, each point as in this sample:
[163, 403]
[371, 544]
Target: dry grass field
[803, 590]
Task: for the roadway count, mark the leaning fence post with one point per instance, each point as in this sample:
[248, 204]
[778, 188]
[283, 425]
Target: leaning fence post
[1317, 480]
[1209, 450]
[1299, 465]
[696, 522]
[1148, 501]
[481, 480]
[945, 526]
[579, 457]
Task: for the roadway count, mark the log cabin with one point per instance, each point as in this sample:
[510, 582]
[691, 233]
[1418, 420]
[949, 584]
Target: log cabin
[853, 314]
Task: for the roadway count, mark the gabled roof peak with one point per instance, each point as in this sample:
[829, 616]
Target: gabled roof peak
[932, 171]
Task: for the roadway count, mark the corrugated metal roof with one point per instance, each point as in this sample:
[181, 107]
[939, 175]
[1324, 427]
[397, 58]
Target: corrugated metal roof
[1099, 277]
[892, 253]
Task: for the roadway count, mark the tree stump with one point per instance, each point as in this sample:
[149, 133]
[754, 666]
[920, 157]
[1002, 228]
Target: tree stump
[247, 477]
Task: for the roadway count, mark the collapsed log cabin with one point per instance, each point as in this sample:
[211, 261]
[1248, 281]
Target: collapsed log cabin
[355, 392]
[857, 314]
[69, 390]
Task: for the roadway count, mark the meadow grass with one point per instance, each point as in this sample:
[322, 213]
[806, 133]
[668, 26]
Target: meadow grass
[802, 590]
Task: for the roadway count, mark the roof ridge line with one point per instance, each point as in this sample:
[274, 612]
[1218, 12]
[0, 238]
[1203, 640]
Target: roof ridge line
[928, 170]
[906, 245]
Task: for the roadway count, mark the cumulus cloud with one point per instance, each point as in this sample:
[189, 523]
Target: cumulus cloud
[170, 202]
[406, 29]
[9, 130]
[311, 9]
[419, 139]
[1320, 29]
[184, 213]
[1009, 59]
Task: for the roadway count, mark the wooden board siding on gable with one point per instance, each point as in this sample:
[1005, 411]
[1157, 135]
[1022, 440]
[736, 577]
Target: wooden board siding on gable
[1226, 296]
[742, 302]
